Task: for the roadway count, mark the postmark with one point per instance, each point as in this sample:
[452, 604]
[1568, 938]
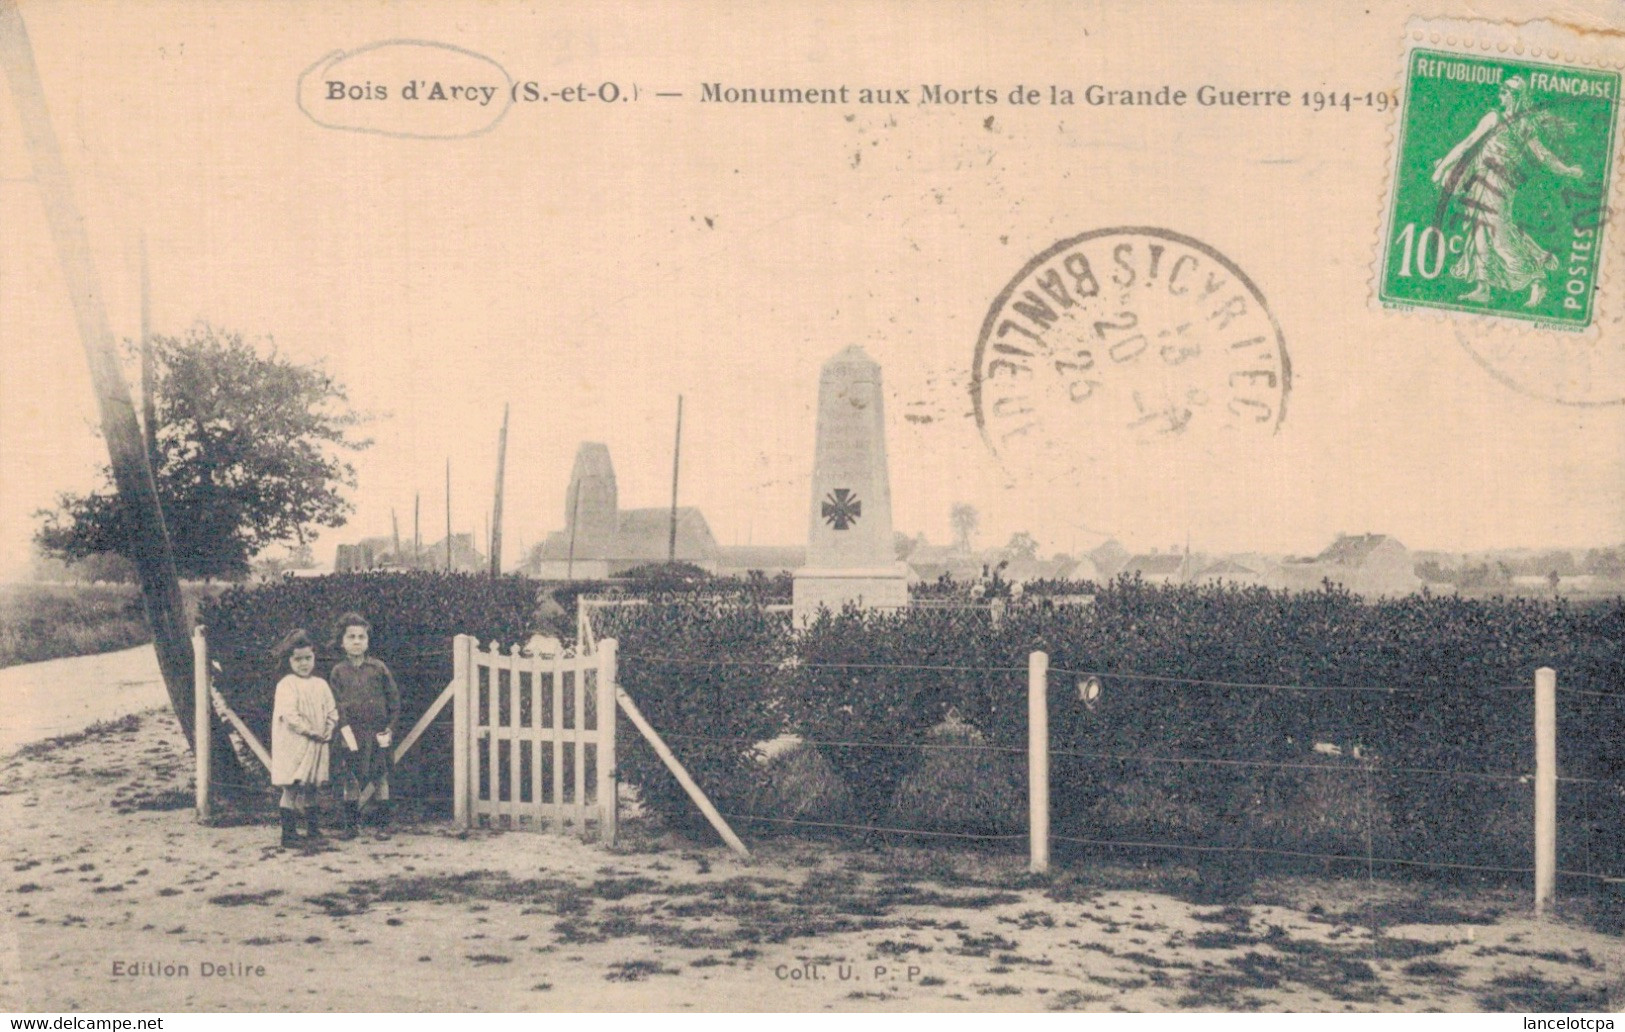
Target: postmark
[1129, 333]
[1500, 186]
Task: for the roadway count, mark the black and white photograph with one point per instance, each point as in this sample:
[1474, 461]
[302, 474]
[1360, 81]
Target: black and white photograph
[546, 506]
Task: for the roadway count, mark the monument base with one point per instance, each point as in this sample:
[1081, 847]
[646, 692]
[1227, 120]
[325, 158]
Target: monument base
[884, 587]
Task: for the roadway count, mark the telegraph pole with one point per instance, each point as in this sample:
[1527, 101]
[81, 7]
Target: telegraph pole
[126, 448]
[149, 372]
[496, 505]
[676, 456]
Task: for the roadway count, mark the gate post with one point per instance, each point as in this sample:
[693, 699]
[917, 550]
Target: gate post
[1545, 787]
[1038, 761]
[607, 777]
[460, 729]
[202, 725]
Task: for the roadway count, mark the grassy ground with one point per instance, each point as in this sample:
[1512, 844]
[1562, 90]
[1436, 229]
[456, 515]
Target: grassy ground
[50, 621]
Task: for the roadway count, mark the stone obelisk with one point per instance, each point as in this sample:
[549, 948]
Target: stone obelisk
[850, 553]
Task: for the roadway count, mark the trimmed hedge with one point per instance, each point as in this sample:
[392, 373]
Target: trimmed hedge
[712, 679]
[1434, 692]
[414, 616]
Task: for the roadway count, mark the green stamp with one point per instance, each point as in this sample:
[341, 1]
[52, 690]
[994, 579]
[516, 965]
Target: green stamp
[1500, 187]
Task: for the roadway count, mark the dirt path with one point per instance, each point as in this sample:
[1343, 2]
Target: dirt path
[61, 696]
[116, 899]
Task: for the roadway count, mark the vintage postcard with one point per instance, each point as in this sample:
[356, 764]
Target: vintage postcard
[516, 505]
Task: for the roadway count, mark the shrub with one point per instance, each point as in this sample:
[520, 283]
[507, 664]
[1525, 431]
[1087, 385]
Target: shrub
[40, 622]
[707, 676]
[960, 786]
[871, 685]
[54, 621]
[799, 785]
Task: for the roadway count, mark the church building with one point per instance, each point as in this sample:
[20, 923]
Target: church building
[600, 539]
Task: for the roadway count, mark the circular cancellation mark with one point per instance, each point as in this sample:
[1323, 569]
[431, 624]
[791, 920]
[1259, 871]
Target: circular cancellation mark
[1130, 334]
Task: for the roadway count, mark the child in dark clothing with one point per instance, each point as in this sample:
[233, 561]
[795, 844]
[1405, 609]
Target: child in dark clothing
[369, 704]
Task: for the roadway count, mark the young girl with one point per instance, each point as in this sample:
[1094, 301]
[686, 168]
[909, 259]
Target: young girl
[369, 704]
[302, 724]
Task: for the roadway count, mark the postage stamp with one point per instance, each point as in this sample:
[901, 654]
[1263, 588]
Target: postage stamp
[1131, 333]
[1500, 188]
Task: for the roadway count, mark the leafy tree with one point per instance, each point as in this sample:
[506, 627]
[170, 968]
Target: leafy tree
[1434, 572]
[1604, 562]
[249, 454]
[1558, 560]
[1022, 546]
[964, 519]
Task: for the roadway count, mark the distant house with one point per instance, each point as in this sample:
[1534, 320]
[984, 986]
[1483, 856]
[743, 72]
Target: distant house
[929, 563]
[1025, 571]
[367, 554]
[1366, 564]
[465, 558]
[601, 540]
[378, 553]
[1242, 571]
[1110, 558]
[1157, 568]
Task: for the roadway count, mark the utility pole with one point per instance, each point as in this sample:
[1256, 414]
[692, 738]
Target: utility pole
[417, 536]
[448, 515]
[395, 530]
[676, 456]
[126, 448]
[149, 372]
[496, 505]
[575, 520]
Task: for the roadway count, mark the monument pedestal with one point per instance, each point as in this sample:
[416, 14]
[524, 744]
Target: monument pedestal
[880, 587]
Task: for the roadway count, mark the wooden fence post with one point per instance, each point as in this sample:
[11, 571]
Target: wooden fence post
[202, 722]
[680, 773]
[1038, 761]
[1545, 787]
[608, 779]
[461, 716]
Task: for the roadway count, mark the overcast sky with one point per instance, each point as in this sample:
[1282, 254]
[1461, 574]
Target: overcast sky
[588, 262]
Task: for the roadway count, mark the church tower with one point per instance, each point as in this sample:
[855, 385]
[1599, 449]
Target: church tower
[592, 506]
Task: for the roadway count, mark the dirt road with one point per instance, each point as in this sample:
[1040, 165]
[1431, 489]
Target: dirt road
[61, 696]
[113, 897]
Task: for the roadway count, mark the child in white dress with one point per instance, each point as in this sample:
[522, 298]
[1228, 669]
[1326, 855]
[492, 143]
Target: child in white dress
[302, 725]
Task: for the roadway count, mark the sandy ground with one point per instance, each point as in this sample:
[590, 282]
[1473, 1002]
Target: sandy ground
[115, 898]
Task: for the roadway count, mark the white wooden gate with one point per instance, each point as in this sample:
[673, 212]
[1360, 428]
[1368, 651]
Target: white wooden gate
[534, 738]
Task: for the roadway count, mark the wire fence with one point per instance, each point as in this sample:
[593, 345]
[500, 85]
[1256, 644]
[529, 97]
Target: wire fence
[1336, 808]
[1124, 783]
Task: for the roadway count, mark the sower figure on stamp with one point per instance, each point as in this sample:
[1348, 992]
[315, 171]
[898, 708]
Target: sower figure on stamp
[369, 704]
[302, 721]
[1485, 171]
